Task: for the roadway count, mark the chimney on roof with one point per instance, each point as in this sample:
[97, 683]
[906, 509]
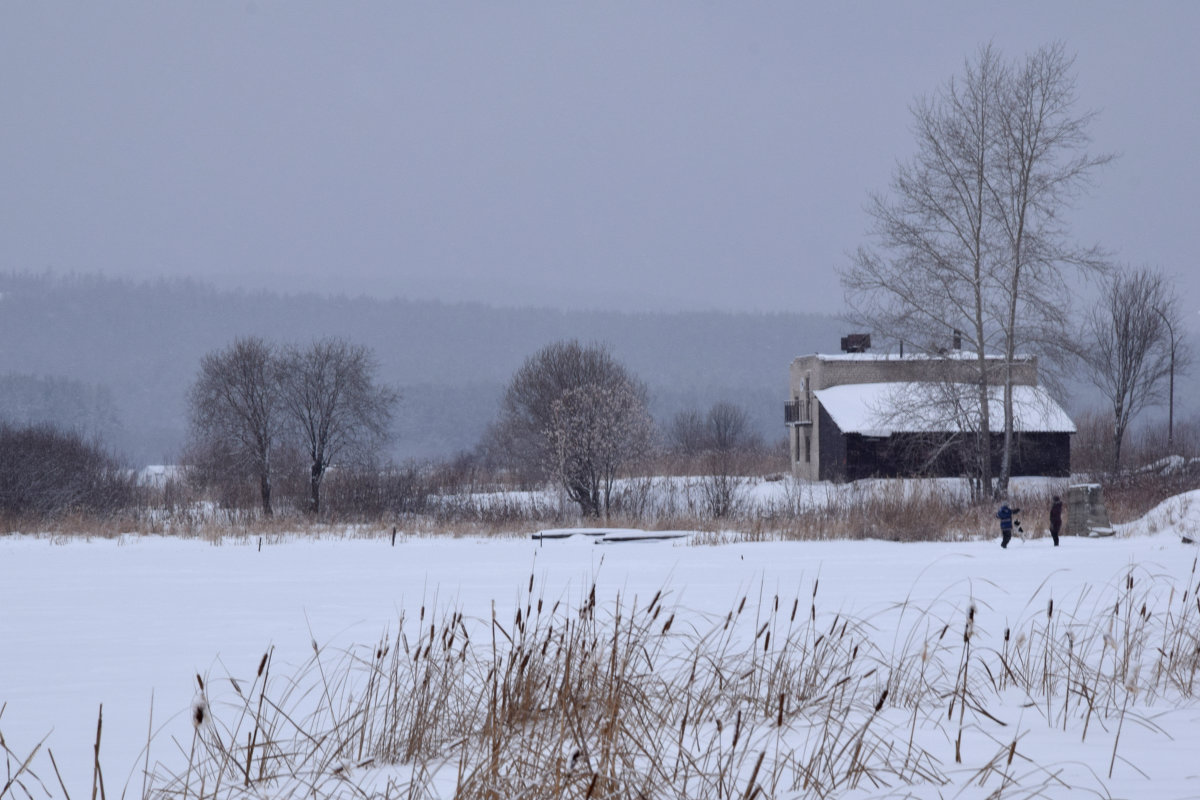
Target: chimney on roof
[957, 339]
[856, 343]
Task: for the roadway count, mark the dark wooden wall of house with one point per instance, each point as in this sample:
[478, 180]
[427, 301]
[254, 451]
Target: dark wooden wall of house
[902, 455]
[832, 466]
[1046, 454]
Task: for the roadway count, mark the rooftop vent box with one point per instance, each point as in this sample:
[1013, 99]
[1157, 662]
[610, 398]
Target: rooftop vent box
[856, 343]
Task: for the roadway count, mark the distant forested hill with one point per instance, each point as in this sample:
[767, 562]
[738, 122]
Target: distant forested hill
[139, 344]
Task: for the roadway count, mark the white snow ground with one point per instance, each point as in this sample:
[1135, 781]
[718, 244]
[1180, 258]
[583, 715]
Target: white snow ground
[119, 622]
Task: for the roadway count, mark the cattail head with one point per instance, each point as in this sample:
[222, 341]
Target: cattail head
[200, 717]
[1050, 609]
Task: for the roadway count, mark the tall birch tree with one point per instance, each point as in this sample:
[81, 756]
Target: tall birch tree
[970, 239]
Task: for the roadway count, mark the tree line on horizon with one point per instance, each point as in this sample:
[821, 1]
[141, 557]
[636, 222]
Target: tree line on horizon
[138, 343]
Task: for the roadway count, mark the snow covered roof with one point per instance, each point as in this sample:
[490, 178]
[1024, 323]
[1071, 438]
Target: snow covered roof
[950, 355]
[881, 409]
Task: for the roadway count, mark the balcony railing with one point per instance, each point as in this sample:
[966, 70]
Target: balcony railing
[795, 412]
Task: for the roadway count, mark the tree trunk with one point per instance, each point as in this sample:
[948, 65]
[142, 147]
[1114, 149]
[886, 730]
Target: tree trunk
[581, 491]
[264, 483]
[1120, 423]
[1006, 453]
[314, 488]
[985, 417]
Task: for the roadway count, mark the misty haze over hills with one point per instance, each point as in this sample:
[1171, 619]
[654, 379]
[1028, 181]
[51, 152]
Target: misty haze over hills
[115, 357]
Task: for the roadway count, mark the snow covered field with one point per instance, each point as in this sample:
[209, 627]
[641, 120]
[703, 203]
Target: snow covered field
[131, 621]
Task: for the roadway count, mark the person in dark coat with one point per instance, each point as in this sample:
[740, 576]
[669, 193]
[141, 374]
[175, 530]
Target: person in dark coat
[1055, 518]
[1005, 515]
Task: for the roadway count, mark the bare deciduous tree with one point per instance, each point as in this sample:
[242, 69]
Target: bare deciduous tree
[1129, 346]
[972, 237]
[930, 273]
[234, 407]
[729, 446]
[334, 405]
[687, 437]
[719, 446]
[573, 413]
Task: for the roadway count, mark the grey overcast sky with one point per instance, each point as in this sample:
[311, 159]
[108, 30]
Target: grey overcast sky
[646, 155]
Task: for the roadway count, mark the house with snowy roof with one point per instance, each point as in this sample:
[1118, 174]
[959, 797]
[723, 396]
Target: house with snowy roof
[859, 414]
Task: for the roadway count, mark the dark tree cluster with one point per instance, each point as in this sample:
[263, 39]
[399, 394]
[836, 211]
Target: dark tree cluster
[48, 472]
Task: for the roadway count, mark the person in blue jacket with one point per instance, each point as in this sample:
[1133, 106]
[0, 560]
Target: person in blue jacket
[1005, 515]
